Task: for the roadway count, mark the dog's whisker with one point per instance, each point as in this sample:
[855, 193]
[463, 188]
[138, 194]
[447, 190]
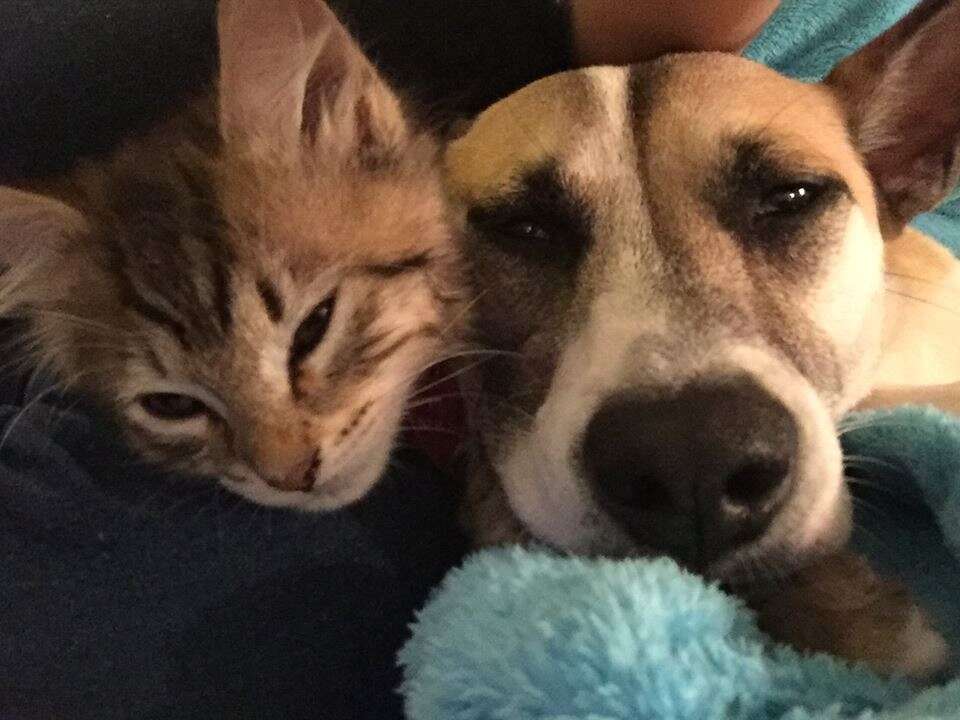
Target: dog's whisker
[924, 301]
[429, 429]
[914, 278]
[868, 460]
[868, 485]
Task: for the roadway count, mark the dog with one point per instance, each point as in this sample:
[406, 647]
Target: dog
[685, 271]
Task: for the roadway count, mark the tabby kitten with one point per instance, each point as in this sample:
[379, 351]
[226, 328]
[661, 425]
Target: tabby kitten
[254, 285]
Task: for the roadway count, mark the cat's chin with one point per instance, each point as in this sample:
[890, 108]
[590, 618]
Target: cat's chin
[328, 494]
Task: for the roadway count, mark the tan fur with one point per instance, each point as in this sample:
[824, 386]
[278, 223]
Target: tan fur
[483, 170]
[841, 606]
[920, 351]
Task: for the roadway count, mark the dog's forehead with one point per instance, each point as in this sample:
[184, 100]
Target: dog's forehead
[688, 109]
[680, 112]
[536, 125]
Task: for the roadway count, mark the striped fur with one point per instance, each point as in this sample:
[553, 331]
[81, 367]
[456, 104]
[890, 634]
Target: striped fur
[295, 287]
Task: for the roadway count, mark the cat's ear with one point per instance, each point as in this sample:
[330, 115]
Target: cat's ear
[289, 71]
[34, 227]
[901, 94]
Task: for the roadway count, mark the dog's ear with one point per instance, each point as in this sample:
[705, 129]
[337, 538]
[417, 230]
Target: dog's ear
[901, 94]
[290, 73]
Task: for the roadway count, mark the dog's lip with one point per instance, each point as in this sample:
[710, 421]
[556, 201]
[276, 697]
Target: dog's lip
[739, 577]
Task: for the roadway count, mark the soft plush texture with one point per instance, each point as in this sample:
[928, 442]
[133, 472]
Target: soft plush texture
[524, 634]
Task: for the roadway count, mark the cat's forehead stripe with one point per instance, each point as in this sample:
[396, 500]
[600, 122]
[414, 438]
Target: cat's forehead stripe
[153, 359]
[221, 263]
[271, 299]
[155, 315]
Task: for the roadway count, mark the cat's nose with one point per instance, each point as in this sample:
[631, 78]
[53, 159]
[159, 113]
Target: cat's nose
[298, 476]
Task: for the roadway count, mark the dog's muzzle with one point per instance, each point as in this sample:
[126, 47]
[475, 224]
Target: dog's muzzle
[695, 474]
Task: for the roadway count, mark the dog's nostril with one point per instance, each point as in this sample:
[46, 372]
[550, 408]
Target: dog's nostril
[755, 482]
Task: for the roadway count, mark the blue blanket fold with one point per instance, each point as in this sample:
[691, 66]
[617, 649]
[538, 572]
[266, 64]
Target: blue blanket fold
[524, 634]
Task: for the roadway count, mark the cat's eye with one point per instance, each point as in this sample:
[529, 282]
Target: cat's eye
[790, 199]
[312, 330]
[172, 406]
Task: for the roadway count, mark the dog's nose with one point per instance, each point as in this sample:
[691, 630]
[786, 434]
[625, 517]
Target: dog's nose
[299, 476]
[696, 474]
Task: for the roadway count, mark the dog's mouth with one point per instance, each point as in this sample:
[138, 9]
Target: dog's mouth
[757, 555]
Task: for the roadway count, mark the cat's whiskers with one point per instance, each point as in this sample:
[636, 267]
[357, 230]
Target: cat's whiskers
[445, 378]
[58, 387]
[442, 397]
[76, 319]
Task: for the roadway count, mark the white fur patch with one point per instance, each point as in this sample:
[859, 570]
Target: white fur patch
[819, 506]
[272, 362]
[848, 304]
[604, 144]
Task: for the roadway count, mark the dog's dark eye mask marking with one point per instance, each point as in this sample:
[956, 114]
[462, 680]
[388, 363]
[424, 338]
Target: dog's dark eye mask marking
[412, 263]
[525, 250]
[765, 203]
[542, 222]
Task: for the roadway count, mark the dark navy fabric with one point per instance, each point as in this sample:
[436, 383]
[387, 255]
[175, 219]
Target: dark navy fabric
[126, 593]
[77, 75]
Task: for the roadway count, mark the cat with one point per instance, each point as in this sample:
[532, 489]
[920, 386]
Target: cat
[252, 286]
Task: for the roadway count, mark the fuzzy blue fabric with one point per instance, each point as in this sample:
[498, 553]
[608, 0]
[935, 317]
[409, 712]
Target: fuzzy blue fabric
[524, 634]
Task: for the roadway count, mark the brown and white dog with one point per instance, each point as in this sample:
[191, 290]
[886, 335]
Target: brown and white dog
[682, 266]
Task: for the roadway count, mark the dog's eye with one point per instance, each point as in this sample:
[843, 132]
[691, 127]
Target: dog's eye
[172, 406]
[526, 230]
[789, 199]
[312, 330]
